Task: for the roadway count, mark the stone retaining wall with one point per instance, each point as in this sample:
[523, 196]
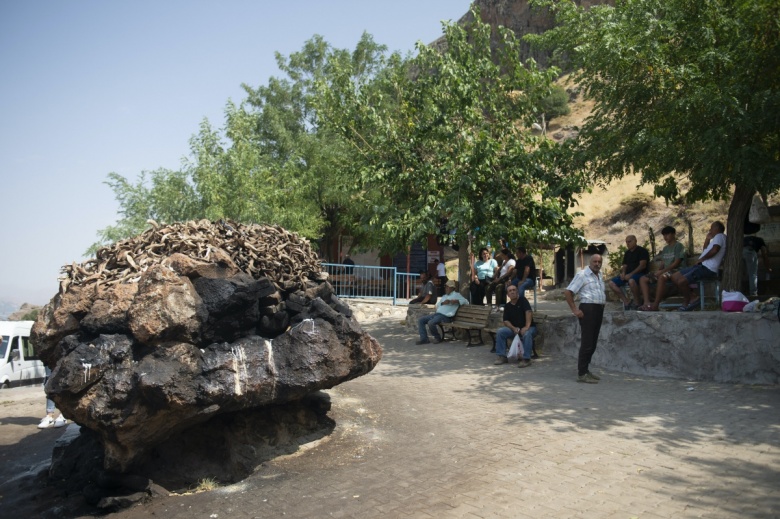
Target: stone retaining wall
[714, 346]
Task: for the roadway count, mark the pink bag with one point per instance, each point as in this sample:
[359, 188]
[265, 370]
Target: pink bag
[733, 301]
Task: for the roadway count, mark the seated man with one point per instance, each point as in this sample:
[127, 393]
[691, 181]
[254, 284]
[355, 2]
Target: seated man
[673, 257]
[525, 270]
[445, 310]
[706, 267]
[505, 272]
[635, 261]
[427, 293]
[518, 319]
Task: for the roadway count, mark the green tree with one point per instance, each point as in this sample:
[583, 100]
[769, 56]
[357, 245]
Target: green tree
[271, 163]
[445, 135]
[682, 90]
[309, 157]
[555, 104]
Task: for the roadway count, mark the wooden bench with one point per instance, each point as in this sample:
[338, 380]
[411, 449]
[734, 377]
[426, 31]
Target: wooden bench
[472, 318]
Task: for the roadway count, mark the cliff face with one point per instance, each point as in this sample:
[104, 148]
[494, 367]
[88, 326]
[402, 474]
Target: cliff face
[519, 16]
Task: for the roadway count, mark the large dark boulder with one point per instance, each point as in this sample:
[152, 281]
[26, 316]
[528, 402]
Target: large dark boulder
[142, 358]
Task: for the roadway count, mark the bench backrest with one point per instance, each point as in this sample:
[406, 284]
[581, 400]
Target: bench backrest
[472, 314]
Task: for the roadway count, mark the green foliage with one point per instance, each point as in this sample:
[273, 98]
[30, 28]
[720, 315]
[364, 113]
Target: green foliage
[637, 201]
[683, 90]
[271, 163]
[556, 103]
[443, 135]
[616, 260]
[32, 315]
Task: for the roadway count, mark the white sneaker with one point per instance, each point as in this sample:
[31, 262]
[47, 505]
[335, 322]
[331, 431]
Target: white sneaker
[47, 422]
[60, 421]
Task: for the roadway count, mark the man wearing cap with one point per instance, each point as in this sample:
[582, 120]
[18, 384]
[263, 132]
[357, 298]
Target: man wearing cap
[446, 308]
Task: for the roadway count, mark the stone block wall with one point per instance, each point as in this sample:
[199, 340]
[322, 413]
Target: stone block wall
[713, 346]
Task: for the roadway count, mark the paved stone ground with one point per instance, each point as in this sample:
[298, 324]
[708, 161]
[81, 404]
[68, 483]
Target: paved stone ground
[439, 432]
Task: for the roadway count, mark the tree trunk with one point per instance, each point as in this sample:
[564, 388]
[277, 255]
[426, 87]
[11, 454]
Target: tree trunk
[732, 264]
[464, 267]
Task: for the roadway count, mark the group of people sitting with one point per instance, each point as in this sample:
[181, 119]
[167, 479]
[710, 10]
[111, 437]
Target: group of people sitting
[672, 272]
[508, 279]
[493, 276]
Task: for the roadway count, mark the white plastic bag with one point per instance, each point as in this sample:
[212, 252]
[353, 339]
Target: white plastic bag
[514, 350]
[733, 301]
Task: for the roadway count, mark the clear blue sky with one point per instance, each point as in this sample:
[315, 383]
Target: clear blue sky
[91, 87]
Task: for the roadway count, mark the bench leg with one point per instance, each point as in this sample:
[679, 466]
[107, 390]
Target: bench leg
[472, 341]
[443, 332]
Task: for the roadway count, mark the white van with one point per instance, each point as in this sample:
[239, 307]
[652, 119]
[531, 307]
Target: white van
[19, 364]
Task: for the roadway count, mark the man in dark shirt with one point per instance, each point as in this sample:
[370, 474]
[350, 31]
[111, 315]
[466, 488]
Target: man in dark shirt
[518, 320]
[525, 271]
[635, 262]
[427, 293]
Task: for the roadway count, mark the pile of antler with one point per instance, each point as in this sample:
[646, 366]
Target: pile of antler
[259, 250]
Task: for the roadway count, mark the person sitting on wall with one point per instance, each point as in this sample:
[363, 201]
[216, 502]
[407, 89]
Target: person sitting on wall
[427, 293]
[635, 262]
[517, 320]
[482, 271]
[672, 258]
[706, 267]
[445, 310]
[504, 274]
[525, 271]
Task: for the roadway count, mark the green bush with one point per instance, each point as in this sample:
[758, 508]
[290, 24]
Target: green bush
[556, 104]
[32, 315]
[637, 201]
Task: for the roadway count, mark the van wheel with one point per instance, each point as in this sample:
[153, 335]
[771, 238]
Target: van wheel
[5, 385]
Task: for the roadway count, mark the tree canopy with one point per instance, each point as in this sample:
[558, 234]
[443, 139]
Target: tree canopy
[683, 90]
[270, 163]
[446, 135]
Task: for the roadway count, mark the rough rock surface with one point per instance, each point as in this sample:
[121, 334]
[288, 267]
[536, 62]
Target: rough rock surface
[715, 346]
[522, 19]
[142, 354]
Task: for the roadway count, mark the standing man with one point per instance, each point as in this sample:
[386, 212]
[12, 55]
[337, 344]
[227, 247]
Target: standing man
[589, 284]
[751, 246]
[525, 271]
[518, 320]
[441, 273]
[427, 293]
[635, 261]
[706, 267]
[445, 310]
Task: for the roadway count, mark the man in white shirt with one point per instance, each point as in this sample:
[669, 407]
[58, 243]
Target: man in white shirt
[589, 284]
[445, 310]
[706, 267]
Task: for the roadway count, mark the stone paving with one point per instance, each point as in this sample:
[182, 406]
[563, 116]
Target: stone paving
[437, 431]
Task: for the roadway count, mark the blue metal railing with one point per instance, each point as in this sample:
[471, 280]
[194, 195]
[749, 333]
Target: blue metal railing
[365, 281]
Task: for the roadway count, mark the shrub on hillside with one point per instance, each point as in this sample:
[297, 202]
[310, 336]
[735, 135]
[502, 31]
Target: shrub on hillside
[637, 201]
